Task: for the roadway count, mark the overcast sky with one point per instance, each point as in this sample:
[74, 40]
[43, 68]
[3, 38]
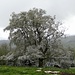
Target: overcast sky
[63, 9]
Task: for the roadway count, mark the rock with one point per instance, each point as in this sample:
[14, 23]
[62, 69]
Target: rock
[38, 70]
[52, 72]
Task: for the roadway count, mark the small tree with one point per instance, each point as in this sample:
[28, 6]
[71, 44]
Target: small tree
[3, 49]
[36, 29]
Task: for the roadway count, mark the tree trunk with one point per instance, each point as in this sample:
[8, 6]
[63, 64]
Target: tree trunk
[40, 62]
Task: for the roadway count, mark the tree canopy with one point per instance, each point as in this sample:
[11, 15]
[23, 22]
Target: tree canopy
[33, 32]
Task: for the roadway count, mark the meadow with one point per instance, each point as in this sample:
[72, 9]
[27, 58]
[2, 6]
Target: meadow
[8, 70]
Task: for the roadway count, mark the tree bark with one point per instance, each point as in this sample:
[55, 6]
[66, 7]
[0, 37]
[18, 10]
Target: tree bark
[41, 62]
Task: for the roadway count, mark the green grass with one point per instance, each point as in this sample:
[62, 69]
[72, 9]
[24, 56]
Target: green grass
[8, 70]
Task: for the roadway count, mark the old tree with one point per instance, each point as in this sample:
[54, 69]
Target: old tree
[35, 34]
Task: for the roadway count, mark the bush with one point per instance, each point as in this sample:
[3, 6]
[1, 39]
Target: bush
[65, 65]
[2, 62]
[72, 65]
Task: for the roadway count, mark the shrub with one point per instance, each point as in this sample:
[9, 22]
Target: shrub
[65, 65]
[2, 62]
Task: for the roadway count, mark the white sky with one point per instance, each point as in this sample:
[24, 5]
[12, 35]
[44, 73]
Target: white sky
[69, 24]
[63, 9]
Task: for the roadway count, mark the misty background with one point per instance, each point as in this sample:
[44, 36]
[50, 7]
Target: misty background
[63, 9]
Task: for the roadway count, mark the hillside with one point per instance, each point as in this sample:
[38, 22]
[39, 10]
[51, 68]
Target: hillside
[4, 42]
[69, 41]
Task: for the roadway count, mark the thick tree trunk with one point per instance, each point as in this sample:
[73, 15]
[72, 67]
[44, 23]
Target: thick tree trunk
[41, 62]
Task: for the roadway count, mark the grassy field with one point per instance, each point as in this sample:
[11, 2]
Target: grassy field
[8, 70]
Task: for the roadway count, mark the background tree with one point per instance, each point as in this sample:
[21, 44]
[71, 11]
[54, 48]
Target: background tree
[36, 30]
[4, 49]
[71, 54]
